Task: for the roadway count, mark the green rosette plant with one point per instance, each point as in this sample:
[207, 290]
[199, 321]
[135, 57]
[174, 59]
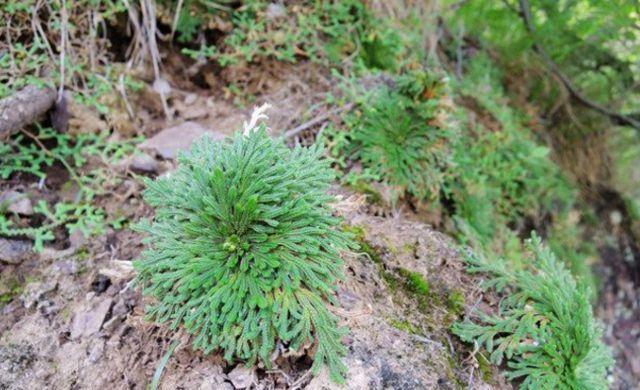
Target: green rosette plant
[244, 252]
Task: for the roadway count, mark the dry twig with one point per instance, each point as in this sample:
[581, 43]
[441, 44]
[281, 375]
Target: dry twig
[317, 120]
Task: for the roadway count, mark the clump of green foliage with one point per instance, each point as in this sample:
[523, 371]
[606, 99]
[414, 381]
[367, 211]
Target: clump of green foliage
[187, 18]
[244, 252]
[322, 31]
[394, 137]
[32, 53]
[593, 42]
[501, 175]
[23, 155]
[544, 327]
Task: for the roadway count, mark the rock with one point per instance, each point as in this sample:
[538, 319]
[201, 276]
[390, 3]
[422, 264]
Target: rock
[120, 308]
[215, 379]
[190, 98]
[616, 217]
[348, 300]
[242, 377]
[144, 163]
[275, 11]
[16, 358]
[169, 141]
[86, 323]
[48, 308]
[34, 292]
[16, 202]
[14, 251]
[162, 86]
[194, 112]
[215, 384]
[320, 381]
[96, 350]
[77, 239]
[112, 324]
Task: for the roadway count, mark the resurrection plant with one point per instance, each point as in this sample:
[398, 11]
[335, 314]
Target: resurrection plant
[395, 143]
[544, 328]
[244, 252]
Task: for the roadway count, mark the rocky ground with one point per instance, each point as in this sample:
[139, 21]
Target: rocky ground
[79, 321]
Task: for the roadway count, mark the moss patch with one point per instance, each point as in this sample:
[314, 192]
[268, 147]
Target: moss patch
[484, 366]
[412, 284]
[358, 233]
[415, 282]
[9, 290]
[404, 326]
[410, 247]
[455, 302]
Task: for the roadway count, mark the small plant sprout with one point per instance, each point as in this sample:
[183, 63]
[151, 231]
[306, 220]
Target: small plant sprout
[244, 252]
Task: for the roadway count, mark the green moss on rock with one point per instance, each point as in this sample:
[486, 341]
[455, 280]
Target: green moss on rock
[455, 302]
[359, 236]
[404, 326]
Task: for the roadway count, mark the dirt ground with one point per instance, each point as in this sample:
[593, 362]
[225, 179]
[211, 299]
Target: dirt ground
[79, 324]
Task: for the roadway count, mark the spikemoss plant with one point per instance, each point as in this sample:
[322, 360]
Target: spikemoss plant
[397, 146]
[544, 327]
[244, 252]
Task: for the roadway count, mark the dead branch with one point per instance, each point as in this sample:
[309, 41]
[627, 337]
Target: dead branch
[23, 108]
[616, 117]
[316, 121]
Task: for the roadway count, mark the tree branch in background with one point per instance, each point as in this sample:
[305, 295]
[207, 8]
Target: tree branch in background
[616, 117]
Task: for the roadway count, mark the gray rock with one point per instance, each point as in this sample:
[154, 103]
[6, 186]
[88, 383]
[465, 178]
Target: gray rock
[120, 308]
[275, 11]
[144, 163]
[190, 99]
[35, 291]
[215, 379]
[96, 350]
[86, 323]
[215, 384]
[242, 377]
[48, 308]
[14, 251]
[65, 267]
[348, 299]
[169, 141]
[112, 324]
[16, 202]
[162, 86]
